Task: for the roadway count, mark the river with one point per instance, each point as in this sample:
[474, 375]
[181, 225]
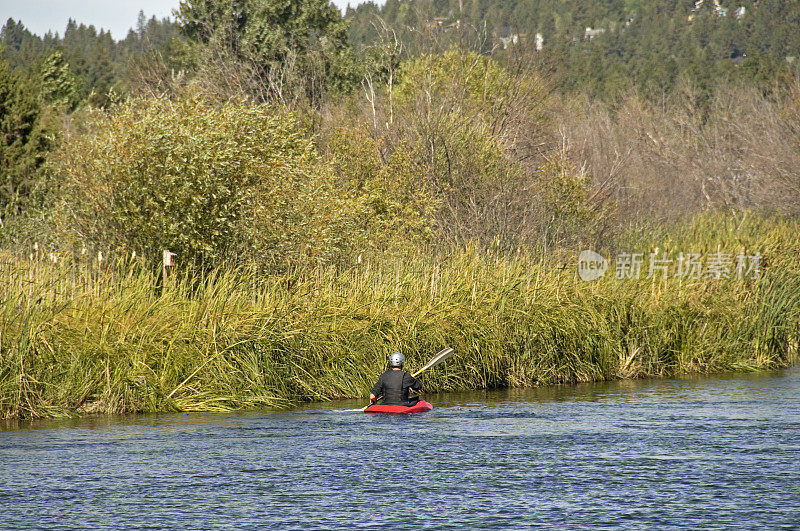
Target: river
[694, 453]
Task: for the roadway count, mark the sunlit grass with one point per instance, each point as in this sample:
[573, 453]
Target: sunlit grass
[78, 340]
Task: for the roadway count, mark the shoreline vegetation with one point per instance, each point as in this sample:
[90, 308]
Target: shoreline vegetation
[338, 188]
[114, 338]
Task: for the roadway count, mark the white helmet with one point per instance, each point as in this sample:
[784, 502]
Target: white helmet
[396, 360]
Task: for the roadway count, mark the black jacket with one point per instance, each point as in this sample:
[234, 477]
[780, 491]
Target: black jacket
[394, 386]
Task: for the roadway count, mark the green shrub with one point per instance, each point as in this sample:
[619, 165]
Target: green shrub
[206, 181]
[395, 206]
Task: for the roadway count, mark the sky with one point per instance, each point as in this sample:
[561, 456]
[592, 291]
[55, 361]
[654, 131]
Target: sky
[41, 16]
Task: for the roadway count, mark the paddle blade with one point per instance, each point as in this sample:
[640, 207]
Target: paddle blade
[436, 360]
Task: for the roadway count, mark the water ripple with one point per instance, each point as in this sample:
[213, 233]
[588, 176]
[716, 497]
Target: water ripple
[688, 453]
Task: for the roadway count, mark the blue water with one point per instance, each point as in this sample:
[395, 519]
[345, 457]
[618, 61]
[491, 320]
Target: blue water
[690, 453]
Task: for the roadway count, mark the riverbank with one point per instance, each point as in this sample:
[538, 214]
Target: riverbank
[115, 340]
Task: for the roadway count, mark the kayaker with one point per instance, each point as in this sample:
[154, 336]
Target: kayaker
[394, 384]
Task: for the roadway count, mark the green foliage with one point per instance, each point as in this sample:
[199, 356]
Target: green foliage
[209, 182]
[268, 30]
[446, 100]
[395, 238]
[75, 343]
[303, 43]
[20, 47]
[26, 136]
[565, 195]
[58, 83]
[478, 80]
[305, 47]
[649, 44]
[396, 207]
[472, 122]
[96, 63]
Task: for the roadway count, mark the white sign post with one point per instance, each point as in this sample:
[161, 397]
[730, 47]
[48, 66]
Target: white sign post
[169, 261]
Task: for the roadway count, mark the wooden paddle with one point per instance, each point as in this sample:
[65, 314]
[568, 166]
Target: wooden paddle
[436, 360]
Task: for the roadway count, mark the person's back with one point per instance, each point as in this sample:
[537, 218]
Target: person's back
[394, 384]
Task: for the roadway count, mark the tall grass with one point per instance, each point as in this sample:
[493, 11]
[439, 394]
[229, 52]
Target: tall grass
[118, 339]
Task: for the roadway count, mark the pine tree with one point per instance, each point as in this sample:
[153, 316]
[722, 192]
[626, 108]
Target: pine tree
[141, 24]
[307, 39]
[59, 86]
[24, 141]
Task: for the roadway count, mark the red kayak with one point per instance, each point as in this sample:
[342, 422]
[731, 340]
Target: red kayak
[419, 407]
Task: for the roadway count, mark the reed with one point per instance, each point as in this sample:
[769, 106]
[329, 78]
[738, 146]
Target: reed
[115, 340]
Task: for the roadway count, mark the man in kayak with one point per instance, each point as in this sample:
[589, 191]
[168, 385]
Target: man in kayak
[395, 383]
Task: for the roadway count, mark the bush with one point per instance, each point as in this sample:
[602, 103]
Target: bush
[209, 182]
[394, 205]
[475, 134]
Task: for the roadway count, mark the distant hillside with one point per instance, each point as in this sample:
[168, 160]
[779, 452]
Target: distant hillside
[603, 46]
